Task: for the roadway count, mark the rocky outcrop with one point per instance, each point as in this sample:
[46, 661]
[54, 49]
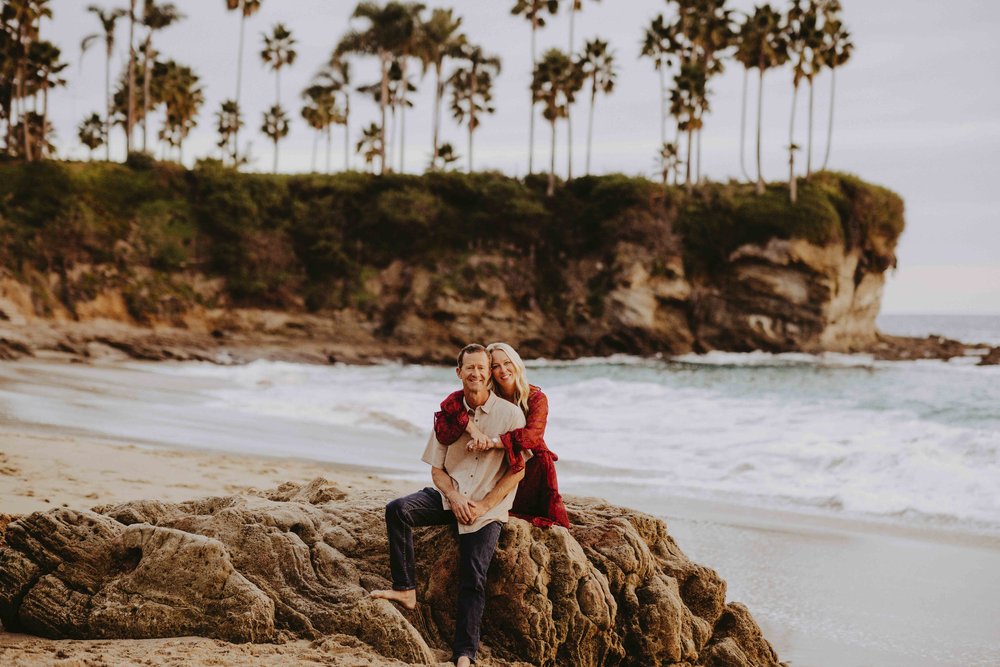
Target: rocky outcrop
[296, 563]
[790, 295]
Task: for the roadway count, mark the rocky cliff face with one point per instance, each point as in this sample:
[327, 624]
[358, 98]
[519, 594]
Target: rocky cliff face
[787, 295]
[296, 562]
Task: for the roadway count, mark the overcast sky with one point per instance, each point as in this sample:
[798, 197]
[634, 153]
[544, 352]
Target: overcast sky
[918, 110]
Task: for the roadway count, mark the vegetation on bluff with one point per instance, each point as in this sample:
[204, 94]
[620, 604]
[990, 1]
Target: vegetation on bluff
[312, 239]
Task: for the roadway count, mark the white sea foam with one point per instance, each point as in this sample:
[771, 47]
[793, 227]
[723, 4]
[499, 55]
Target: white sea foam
[828, 433]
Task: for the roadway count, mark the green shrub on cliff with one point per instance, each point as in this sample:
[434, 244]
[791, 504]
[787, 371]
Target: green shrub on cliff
[832, 208]
[282, 240]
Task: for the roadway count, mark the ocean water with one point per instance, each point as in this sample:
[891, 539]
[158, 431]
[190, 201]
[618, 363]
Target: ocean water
[915, 443]
[882, 445]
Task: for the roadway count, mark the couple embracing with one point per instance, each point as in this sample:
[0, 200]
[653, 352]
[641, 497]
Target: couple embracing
[488, 459]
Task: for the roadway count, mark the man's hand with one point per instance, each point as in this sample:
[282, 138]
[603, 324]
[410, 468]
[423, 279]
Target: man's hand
[465, 510]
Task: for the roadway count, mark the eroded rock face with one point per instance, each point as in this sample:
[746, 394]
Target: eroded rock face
[297, 563]
[790, 295]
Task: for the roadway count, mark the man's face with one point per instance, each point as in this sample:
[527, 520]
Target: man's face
[474, 372]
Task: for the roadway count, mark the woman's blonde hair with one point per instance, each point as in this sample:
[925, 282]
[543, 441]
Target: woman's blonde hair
[521, 388]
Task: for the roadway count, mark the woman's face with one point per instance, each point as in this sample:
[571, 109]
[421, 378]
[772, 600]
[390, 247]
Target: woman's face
[503, 370]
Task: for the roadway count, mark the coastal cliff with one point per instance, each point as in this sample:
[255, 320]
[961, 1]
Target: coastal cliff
[161, 262]
[296, 563]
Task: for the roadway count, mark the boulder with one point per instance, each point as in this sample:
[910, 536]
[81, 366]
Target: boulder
[297, 563]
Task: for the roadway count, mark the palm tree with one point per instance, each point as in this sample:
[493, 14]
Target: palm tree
[91, 132]
[688, 103]
[598, 65]
[796, 37]
[659, 44]
[532, 11]
[23, 19]
[670, 162]
[472, 88]
[439, 39]
[246, 8]
[277, 53]
[389, 28]
[182, 96]
[275, 126]
[706, 26]
[835, 51]
[130, 116]
[155, 17]
[405, 51]
[228, 121]
[574, 7]
[446, 156]
[337, 74]
[762, 46]
[45, 66]
[321, 113]
[314, 119]
[108, 19]
[554, 84]
[370, 145]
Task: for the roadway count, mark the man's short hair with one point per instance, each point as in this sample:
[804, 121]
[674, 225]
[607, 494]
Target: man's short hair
[471, 348]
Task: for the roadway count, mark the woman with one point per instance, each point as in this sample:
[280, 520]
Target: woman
[537, 498]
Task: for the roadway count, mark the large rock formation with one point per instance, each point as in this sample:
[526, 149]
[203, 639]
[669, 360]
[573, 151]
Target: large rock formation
[297, 562]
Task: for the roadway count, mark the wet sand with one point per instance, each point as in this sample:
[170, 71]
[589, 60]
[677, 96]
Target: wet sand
[825, 591]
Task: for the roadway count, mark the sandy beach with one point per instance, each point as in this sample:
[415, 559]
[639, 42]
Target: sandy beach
[825, 592]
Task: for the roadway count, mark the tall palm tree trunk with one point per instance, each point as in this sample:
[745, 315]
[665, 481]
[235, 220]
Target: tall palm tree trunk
[130, 119]
[472, 110]
[590, 125]
[552, 162]
[760, 108]
[663, 114]
[687, 167]
[392, 136]
[829, 124]
[809, 144]
[147, 80]
[45, 116]
[697, 173]
[347, 133]
[402, 119]
[21, 94]
[792, 183]
[743, 123]
[274, 168]
[329, 140]
[438, 91]
[569, 143]
[107, 102]
[312, 165]
[572, 25]
[531, 115]
[239, 84]
[383, 98]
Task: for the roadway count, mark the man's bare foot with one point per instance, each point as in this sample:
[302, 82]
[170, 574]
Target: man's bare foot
[463, 661]
[406, 598]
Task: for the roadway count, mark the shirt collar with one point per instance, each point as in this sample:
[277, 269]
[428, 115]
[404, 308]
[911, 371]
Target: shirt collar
[485, 407]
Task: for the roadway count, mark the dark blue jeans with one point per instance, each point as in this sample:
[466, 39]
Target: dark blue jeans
[475, 551]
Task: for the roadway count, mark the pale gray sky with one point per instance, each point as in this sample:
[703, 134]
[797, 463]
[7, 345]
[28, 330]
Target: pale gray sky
[917, 111]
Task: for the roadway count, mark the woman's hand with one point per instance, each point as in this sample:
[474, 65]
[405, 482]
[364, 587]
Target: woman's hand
[480, 442]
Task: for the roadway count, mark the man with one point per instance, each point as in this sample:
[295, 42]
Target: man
[475, 490]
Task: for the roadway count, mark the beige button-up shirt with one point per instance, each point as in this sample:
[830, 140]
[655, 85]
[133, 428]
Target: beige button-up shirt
[476, 473]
